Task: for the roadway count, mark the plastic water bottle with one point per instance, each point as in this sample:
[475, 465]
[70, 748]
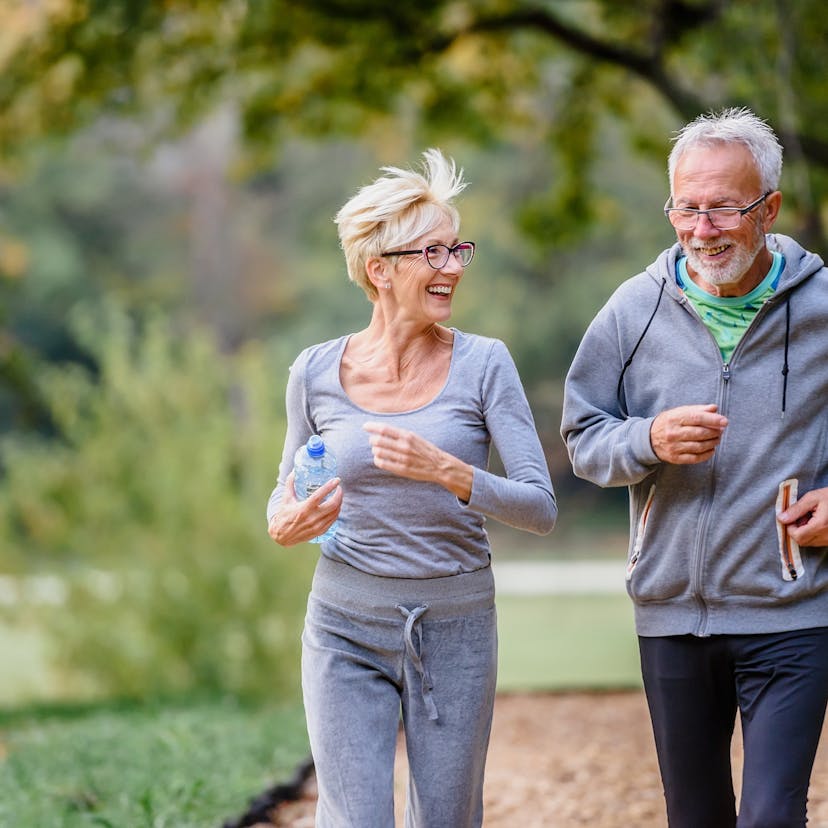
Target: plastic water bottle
[313, 466]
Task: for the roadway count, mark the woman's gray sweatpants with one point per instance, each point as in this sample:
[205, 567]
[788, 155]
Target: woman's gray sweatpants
[373, 647]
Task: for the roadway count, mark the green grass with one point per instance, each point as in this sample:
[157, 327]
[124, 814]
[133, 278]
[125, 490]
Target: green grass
[563, 642]
[193, 765]
[149, 767]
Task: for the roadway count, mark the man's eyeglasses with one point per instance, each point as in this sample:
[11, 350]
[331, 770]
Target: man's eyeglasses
[722, 218]
[437, 255]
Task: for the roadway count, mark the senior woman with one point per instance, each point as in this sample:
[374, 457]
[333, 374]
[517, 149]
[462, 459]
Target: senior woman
[401, 615]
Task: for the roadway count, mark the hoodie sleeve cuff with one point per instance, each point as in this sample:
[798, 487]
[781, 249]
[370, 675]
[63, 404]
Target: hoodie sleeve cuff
[640, 443]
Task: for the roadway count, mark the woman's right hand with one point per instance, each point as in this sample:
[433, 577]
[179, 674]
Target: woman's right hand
[297, 521]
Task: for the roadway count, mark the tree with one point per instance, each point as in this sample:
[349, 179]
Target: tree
[480, 68]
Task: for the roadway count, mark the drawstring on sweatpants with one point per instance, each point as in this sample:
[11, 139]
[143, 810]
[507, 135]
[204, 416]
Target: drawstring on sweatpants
[412, 625]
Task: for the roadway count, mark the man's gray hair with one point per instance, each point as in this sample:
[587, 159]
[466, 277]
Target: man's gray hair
[734, 125]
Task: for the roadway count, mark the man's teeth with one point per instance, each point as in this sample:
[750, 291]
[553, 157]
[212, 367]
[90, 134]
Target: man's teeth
[445, 289]
[713, 251]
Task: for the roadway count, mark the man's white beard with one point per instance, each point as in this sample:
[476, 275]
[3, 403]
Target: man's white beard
[731, 271]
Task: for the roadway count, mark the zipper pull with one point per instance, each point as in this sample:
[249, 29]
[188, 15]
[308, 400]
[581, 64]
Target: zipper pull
[726, 371]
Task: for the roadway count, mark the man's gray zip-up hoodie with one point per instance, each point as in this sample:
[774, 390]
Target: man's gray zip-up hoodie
[704, 552]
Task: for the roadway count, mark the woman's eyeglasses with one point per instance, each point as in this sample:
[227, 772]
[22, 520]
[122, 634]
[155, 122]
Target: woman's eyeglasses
[437, 255]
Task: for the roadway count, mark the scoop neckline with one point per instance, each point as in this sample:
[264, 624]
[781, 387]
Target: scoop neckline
[346, 339]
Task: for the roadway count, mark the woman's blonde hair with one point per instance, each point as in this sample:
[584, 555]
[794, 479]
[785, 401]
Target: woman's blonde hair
[396, 209]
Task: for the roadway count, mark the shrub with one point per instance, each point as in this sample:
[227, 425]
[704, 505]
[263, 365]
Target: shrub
[149, 504]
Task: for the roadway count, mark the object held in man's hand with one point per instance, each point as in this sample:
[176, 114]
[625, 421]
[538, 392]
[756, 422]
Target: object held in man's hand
[788, 548]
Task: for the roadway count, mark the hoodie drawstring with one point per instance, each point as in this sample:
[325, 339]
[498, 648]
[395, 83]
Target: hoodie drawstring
[640, 340]
[785, 368]
[787, 340]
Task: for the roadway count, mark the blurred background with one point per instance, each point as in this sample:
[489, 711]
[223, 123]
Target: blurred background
[169, 172]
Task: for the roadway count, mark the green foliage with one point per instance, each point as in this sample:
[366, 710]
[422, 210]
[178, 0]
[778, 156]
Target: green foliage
[158, 767]
[480, 69]
[84, 222]
[149, 504]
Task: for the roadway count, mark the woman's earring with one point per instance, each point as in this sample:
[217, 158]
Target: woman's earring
[387, 285]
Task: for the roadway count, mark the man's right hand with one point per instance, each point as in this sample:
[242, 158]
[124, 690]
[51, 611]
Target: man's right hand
[687, 434]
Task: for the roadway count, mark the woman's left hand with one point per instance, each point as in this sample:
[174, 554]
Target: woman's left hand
[406, 454]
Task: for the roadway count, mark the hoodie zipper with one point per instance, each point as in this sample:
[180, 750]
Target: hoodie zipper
[700, 546]
[696, 583]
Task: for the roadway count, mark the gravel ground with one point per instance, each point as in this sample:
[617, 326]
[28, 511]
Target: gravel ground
[572, 759]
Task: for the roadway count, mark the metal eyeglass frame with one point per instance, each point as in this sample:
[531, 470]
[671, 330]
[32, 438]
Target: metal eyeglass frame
[712, 213]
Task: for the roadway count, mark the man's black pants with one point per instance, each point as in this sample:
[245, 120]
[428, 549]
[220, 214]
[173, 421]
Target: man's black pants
[694, 686]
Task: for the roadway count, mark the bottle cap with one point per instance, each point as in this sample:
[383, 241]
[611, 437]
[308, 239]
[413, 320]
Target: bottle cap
[315, 446]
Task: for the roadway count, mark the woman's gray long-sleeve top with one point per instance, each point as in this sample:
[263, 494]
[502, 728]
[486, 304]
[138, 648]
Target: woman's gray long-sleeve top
[396, 527]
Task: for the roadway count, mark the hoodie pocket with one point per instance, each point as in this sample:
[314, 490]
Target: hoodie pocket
[640, 532]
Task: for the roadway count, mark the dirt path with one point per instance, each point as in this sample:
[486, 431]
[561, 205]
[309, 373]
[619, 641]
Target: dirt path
[566, 760]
